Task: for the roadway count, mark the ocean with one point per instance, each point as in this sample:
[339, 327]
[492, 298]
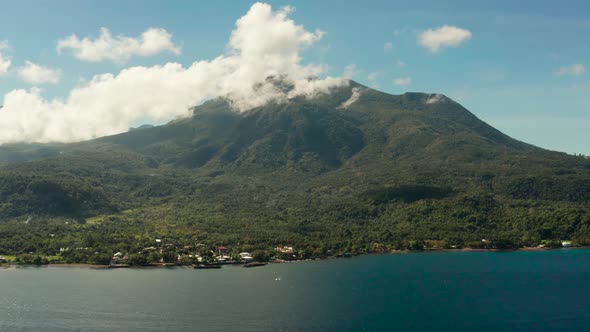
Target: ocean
[438, 291]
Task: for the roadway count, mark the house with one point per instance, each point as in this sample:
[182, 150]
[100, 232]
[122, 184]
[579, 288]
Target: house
[118, 258]
[3, 259]
[223, 255]
[285, 250]
[246, 256]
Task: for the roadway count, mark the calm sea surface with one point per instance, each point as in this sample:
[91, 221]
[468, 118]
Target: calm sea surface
[462, 291]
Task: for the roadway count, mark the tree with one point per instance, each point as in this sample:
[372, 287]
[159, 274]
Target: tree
[170, 256]
[154, 257]
[99, 259]
[186, 260]
[260, 256]
[137, 259]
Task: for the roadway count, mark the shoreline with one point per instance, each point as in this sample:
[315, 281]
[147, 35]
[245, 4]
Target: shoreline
[394, 252]
[80, 265]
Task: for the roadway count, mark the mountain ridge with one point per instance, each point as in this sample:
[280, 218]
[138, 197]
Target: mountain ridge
[320, 171]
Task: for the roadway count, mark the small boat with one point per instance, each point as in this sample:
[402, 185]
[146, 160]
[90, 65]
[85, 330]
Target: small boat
[254, 264]
[207, 266]
[118, 266]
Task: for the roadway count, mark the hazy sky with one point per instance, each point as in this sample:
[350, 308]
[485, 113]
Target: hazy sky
[522, 66]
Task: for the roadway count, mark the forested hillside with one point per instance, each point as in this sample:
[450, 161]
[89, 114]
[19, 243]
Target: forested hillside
[324, 174]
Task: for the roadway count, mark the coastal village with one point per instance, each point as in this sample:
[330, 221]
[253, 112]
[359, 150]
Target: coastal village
[199, 258]
[163, 254]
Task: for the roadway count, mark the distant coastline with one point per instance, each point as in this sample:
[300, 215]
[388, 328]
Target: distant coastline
[278, 261]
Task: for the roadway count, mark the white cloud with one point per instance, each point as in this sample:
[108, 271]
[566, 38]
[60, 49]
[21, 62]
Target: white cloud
[36, 74]
[264, 43]
[388, 46]
[402, 81]
[445, 36]
[436, 98]
[573, 69]
[4, 60]
[400, 63]
[356, 94]
[118, 49]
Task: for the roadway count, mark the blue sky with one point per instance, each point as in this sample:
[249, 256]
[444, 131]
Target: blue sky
[507, 72]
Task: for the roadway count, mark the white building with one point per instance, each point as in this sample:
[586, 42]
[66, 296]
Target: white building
[246, 256]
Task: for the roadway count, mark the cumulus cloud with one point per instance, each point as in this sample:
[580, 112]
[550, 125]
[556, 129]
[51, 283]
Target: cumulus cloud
[402, 81]
[118, 49]
[573, 69]
[36, 74]
[4, 60]
[445, 36]
[388, 46]
[264, 44]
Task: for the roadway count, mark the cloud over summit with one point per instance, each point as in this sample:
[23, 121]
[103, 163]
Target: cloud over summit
[264, 43]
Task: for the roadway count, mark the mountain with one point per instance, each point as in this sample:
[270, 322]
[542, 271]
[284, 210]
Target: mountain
[144, 126]
[344, 170]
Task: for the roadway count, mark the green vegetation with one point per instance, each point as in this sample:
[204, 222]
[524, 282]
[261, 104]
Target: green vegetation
[388, 172]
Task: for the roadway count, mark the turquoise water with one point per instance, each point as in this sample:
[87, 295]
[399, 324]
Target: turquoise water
[462, 291]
